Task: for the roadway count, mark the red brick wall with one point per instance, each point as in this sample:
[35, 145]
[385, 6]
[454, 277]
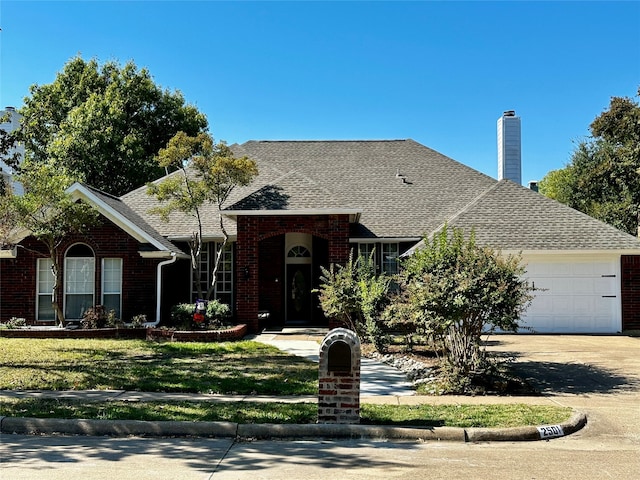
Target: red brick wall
[254, 229]
[630, 267]
[18, 276]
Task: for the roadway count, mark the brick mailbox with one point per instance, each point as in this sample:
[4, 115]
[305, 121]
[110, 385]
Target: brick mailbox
[339, 378]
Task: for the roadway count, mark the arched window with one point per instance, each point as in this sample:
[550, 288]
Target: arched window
[299, 252]
[79, 281]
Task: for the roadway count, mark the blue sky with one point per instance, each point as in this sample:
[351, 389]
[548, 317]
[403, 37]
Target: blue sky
[438, 72]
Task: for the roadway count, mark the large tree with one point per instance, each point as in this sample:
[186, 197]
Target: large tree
[49, 214]
[602, 178]
[206, 172]
[454, 291]
[105, 123]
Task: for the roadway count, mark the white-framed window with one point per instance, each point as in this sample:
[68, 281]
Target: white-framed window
[385, 255]
[390, 254]
[44, 290]
[366, 249]
[224, 282]
[112, 285]
[79, 281]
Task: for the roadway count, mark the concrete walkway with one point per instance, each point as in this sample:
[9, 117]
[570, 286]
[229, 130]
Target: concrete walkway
[376, 378]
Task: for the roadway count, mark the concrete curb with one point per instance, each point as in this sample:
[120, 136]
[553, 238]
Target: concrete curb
[577, 421]
[124, 428]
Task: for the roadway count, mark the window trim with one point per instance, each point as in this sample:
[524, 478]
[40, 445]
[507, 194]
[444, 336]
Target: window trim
[66, 272]
[102, 283]
[38, 292]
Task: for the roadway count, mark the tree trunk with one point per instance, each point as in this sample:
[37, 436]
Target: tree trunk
[57, 281]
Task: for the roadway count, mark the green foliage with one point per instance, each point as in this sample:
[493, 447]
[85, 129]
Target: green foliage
[99, 317]
[14, 323]
[218, 313]
[454, 291]
[138, 321]
[8, 215]
[603, 176]
[182, 316]
[217, 316]
[206, 173]
[105, 123]
[557, 184]
[355, 295]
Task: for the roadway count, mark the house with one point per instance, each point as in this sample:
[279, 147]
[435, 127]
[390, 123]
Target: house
[311, 205]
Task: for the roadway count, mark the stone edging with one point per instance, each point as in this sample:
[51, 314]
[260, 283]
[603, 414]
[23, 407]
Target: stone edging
[123, 428]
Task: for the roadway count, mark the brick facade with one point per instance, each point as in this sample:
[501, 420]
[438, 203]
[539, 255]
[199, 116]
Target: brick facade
[258, 262]
[630, 268]
[18, 275]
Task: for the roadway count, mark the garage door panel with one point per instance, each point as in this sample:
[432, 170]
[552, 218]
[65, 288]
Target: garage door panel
[581, 296]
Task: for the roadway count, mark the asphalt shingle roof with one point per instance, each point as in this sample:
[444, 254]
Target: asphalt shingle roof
[404, 190]
[512, 217]
[125, 211]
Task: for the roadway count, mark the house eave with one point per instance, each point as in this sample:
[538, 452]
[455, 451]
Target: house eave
[354, 213]
[612, 251]
[9, 253]
[385, 239]
[205, 238]
[163, 254]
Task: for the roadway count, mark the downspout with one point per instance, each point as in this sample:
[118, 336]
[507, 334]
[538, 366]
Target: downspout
[173, 258]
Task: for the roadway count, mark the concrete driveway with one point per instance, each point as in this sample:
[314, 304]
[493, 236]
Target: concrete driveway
[574, 364]
[597, 374]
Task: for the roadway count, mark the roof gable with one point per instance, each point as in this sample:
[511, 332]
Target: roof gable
[123, 216]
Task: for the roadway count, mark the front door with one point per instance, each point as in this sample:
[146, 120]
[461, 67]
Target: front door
[299, 293]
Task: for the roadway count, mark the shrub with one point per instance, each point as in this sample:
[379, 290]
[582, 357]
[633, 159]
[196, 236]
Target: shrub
[182, 316]
[217, 315]
[354, 295]
[138, 321]
[99, 317]
[14, 323]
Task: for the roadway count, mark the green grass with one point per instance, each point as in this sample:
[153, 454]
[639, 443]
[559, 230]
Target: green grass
[244, 367]
[498, 416]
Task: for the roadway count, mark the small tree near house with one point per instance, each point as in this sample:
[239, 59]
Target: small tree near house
[455, 291]
[354, 295]
[205, 173]
[49, 214]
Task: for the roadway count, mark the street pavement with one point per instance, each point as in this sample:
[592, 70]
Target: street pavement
[599, 375]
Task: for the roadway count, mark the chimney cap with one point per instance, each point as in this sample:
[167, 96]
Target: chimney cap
[11, 109]
[509, 113]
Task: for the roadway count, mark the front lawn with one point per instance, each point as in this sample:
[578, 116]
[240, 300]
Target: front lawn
[465, 416]
[242, 368]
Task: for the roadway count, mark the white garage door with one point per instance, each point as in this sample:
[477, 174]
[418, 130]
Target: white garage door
[577, 295]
